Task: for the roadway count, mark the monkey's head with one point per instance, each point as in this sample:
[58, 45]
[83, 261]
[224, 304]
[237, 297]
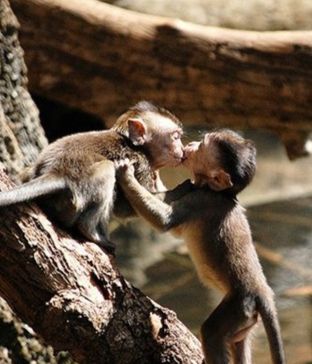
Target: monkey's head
[223, 159]
[155, 129]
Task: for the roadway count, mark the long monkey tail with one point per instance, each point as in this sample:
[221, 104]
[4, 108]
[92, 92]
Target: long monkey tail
[43, 185]
[268, 314]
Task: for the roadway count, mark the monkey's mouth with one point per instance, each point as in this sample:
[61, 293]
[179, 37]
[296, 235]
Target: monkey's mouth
[185, 157]
[178, 161]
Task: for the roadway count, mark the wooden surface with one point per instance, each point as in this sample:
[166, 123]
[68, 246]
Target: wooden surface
[21, 134]
[69, 291]
[100, 58]
[72, 294]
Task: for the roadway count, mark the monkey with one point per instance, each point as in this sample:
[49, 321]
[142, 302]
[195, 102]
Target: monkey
[216, 231]
[74, 177]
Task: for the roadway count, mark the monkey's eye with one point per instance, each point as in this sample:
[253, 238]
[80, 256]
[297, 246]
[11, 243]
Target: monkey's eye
[176, 135]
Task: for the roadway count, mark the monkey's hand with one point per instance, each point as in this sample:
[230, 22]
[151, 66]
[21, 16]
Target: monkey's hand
[124, 169]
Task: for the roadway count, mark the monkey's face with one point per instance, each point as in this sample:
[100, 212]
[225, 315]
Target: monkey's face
[164, 143]
[202, 159]
[156, 130]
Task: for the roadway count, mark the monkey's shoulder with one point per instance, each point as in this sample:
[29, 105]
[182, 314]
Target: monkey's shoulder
[204, 196]
[215, 206]
[107, 143]
[82, 150]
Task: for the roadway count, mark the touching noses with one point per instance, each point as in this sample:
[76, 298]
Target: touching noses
[190, 148]
[179, 150]
[191, 145]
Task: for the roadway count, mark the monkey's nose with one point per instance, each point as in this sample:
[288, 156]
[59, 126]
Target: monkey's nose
[191, 144]
[183, 156]
[185, 153]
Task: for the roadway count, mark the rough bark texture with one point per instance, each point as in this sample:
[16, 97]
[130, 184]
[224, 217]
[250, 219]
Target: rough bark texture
[100, 58]
[72, 294]
[21, 135]
[21, 139]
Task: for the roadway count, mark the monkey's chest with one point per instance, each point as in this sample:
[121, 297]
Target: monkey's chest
[208, 264]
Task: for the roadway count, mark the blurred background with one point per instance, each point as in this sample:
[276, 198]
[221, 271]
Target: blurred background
[236, 14]
[278, 202]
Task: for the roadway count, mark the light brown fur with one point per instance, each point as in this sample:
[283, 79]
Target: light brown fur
[75, 175]
[216, 231]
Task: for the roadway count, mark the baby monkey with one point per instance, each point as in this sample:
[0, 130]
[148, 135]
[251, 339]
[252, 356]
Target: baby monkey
[75, 175]
[217, 234]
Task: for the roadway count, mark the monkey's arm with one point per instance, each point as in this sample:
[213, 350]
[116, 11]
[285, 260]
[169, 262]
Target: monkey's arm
[175, 194]
[146, 204]
[123, 209]
[161, 215]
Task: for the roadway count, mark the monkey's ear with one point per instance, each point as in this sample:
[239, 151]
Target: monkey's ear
[137, 131]
[219, 180]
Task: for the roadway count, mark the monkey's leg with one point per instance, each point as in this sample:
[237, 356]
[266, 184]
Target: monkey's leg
[242, 351]
[93, 222]
[229, 324]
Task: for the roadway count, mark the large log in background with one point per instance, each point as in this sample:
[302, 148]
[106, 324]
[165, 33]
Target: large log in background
[99, 58]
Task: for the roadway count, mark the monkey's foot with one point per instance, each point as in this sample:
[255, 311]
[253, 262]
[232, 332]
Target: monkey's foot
[108, 246]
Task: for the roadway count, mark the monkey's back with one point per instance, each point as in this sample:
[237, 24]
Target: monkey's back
[73, 156]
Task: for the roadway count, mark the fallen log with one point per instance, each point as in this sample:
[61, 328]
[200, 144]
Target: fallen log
[100, 58]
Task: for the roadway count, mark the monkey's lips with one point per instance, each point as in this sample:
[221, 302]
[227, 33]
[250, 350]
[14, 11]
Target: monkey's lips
[178, 160]
[185, 161]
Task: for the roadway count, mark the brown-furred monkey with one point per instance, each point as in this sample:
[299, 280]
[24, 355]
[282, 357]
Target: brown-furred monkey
[217, 234]
[76, 174]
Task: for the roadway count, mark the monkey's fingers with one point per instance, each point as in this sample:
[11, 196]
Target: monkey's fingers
[121, 163]
[124, 166]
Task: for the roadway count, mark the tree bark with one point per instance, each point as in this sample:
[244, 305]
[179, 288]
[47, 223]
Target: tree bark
[100, 59]
[71, 293]
[21, 135]
[21, 139]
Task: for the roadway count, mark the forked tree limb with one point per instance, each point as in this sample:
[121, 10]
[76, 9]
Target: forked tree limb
[100, 58]
[72, 294]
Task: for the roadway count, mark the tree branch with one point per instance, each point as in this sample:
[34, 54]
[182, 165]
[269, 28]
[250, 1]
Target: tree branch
[72, 294]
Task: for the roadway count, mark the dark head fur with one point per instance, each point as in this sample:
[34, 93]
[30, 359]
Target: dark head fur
[237, 157]
[138, 111]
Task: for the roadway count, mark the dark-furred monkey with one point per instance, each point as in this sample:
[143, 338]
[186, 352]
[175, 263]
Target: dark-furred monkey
[216, 231]
[76, 174]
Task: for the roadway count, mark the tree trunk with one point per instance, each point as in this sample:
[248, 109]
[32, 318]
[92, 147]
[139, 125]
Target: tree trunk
[71, 293]
[100, 58]
[21, 135]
